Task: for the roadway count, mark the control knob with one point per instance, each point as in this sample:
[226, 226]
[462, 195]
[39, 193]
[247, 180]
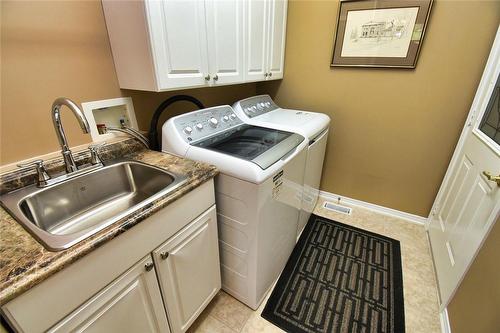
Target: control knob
[213, 122]
[225, 118]
[199, 126]
[188, 130]
[232, 116]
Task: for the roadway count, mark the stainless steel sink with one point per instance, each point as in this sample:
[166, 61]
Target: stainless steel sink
[61, 215]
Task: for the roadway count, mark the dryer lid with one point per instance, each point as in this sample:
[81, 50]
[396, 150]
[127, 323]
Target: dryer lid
[260, 145]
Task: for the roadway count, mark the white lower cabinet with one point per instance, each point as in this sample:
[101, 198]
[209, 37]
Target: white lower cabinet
[188, 270]
[132, 303]
[156, 277]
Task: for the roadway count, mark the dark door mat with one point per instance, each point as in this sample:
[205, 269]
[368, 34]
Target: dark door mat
[339, 279]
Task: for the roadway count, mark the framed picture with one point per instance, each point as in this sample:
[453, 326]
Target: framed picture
[380, 33]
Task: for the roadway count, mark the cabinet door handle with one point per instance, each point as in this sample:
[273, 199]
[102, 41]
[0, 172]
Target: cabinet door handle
[270, 74]
[164, 255]
[207, 78]
[216, 77]
[265, 74]
[148, 266]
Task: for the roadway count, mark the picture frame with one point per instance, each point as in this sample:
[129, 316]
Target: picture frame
[380, 33]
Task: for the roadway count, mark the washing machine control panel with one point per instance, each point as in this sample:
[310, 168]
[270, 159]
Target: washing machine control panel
[200, 124]
[255, 106]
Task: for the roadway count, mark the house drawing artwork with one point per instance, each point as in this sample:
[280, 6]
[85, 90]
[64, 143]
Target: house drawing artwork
[390, 29]
[379, 32]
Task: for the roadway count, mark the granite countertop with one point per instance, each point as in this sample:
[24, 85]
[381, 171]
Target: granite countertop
[24, 262]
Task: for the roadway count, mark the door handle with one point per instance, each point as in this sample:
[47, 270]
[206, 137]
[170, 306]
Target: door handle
[216, 77]
[492, 178]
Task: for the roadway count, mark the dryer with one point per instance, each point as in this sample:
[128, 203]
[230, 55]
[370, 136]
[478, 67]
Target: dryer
[262, 111]
[258, 193]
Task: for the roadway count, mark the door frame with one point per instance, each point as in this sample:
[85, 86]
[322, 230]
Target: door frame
[481, 98]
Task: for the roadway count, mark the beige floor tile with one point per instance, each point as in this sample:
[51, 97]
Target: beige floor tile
[228, 310]
[208, 324]
[420, 288]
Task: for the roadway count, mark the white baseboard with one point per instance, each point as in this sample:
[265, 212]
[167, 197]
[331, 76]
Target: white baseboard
[445, 322]
[376, 208]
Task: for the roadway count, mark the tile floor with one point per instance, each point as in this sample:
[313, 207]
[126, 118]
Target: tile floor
[226, 315]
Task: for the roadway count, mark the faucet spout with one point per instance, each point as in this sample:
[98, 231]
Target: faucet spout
[61, 136]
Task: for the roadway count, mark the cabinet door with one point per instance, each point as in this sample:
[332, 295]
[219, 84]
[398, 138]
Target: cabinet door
[277, 37]
[256, 40]
[225, 41]
[179, 42]
[188, 270]
[132, 303]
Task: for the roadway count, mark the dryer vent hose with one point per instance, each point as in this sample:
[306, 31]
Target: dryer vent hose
[153, 129]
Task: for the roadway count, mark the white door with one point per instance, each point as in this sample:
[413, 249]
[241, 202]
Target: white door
[179, 34]
[256, 40]
[225, 41]
[277, 37]
[189, 271]
[132, 303]
[468, 203]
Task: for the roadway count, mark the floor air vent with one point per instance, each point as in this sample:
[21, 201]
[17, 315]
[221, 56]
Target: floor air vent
[337, 208]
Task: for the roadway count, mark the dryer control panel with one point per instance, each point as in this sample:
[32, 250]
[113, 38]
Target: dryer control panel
[257, 105]
[197, 125]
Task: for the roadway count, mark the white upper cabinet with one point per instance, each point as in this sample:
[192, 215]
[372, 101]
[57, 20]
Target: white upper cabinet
[225, 41]
[265, 36]
[257, 41]
[178, 44]
[277, 38]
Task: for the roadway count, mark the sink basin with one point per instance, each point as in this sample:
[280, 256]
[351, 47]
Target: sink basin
[63, 214]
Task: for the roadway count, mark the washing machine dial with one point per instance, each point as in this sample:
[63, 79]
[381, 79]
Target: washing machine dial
[232, 116]
[225, 119]
[199, 126]
[188, 130]
[213, 122]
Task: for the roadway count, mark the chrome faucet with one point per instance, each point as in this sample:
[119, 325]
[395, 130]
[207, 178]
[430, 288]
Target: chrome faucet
[56, 119]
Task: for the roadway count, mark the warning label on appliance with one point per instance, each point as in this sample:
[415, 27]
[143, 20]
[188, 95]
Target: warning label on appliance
[277, 184]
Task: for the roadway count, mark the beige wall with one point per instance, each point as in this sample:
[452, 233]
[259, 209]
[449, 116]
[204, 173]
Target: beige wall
[476, 305]
[50, 49]
[61, 48]
[394, 130]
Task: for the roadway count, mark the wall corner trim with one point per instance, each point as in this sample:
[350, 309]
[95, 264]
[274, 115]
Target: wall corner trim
[412, 218]
[445, 321]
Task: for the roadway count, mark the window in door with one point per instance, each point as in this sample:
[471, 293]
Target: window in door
[490, 124]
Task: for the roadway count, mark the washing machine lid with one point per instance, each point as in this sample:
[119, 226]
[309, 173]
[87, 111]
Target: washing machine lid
[261, 110]
[260, 145]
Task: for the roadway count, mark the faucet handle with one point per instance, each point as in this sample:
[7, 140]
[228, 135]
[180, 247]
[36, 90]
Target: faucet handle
[94, 152]
[37, 163]
[41, 172]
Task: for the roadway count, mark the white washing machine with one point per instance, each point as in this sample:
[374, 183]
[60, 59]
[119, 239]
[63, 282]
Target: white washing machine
[262, 111]
[258, 193]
